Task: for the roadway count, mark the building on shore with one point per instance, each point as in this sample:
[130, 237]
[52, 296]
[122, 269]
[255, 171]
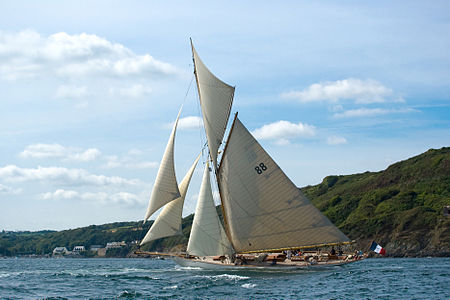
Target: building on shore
[112, 245]
[78, 249]
[95, 248]
[60, 251]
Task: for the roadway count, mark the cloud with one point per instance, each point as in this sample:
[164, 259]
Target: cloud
[58, 151]
[113, 161]
[360, 91]
[65, 176]
[9, 190]
[336, 140]
[367, 112]
[59, 194]
[87, 155]
[99, 197]
[28, 54]
[282, 131]
[189, 122]
[44, 151]
[135, 91]
[71, 91]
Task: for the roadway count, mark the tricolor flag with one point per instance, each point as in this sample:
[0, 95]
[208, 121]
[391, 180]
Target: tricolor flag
[377, 248]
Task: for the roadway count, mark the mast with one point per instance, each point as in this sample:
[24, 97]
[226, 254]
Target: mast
[222, 205]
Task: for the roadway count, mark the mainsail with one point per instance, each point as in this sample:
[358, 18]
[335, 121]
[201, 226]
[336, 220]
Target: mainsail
[207, 237]
[263, 209]
[216, 98]
[168, 222]
[166, 187]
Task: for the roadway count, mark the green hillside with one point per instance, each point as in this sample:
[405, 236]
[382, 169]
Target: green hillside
[43, 242]
[401, 208]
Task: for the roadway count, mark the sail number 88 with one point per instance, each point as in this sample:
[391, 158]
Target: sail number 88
[260, 168]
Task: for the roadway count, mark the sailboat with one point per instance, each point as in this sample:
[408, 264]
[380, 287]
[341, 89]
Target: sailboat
[266, 218]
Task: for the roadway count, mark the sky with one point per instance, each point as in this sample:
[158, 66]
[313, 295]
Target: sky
[89, 91]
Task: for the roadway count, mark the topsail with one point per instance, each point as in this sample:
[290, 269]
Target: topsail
[216, 98]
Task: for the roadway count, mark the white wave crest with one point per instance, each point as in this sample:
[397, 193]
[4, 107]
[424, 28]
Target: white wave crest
[187, 268]
[173, 287]
[224, 277]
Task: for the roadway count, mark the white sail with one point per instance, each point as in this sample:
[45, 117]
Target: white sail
[207, 237]
[169, 220]
[165, 188]
[216, 98]
[263, 209]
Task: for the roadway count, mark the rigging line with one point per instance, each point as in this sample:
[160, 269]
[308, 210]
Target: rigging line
[188, 89]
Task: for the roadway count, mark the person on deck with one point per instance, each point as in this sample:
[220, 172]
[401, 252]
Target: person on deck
[333, 252]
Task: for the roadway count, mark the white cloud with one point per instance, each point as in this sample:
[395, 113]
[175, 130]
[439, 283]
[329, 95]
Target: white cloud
[367, 112]
[44, 151]
[59, 194]
[9, 190]
[99, 197]
[61, 152]
[88, 155]
[282, 131]
[135, 91]
[127, 198]
[336, 140]
[73, 177]
[361, 91]
[113, 161]
[71, 91]
[28, 54]
[189, 122]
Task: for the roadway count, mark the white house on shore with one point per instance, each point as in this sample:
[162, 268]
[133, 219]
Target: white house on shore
[111, 245]
[78, 249]
[60, 251]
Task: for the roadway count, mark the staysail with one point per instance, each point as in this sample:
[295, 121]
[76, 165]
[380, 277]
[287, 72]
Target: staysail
[263, 209]
[165, 188]
[168, 223]
[207, 237]
[216, 98]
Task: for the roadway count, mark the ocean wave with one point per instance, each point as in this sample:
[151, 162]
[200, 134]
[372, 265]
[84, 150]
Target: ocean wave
[172, 287]
[179, 268]
[129, 294]
[248, 285]
[229, 277]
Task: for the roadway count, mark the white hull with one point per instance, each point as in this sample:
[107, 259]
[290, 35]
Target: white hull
[208, 263]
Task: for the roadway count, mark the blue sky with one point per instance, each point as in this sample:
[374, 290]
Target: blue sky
[89, 90]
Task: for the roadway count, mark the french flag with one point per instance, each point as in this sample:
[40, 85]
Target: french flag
[377, 248]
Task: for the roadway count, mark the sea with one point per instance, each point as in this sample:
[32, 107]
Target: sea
[140, 278]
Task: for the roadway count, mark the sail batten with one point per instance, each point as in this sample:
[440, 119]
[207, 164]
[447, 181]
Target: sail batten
[264, 209]
[207, 237]
[165, 188]
[168, 223]
[216, 98]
